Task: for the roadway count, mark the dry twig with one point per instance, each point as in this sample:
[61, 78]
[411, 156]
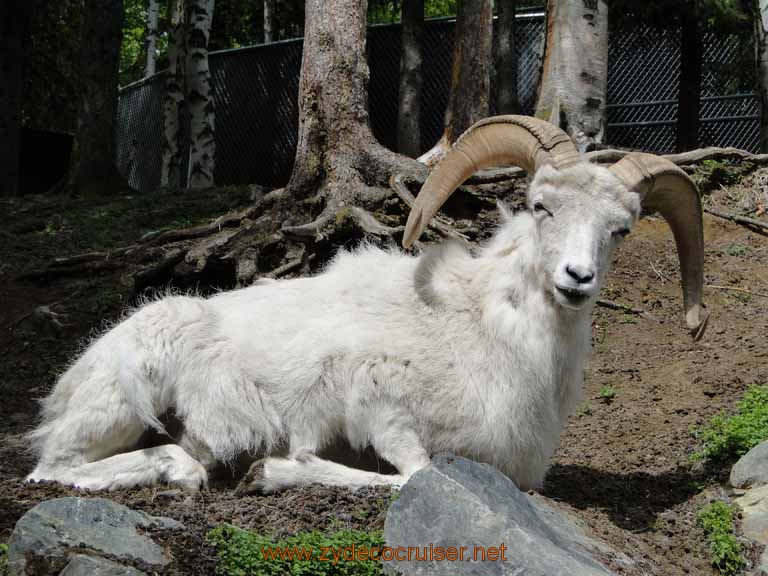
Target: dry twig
[735, 289]
[626, 309]
[762, 227]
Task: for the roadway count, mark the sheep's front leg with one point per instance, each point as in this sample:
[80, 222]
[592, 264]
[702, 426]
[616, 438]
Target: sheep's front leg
[162, 464]
[400, 447]
[272, 474]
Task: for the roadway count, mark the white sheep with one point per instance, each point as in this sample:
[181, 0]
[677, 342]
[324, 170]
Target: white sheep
[479, 354]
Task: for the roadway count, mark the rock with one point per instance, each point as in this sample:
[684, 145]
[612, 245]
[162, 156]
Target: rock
[80, 565]
[456, 502]
[754, 520]
[47, 535]
[752, 468]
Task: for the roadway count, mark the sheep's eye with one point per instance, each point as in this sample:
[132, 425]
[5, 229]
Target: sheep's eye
[539, 207]
[623, 232]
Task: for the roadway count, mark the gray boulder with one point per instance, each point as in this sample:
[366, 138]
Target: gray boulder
[456, 502]
[752, 468]
[50, 534]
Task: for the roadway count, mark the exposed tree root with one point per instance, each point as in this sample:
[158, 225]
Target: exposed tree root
[366, 198]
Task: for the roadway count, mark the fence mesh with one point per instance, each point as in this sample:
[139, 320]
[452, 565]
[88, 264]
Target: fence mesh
[255, 93]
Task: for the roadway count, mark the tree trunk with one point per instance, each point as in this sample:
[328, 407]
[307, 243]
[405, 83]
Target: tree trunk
[258, 25]
[689, 99]
[470, 76]
[94, 169]
[409, 108]
[761, 37]
[153, 10]
[337, 156]
[574, 78]
[507, 101]
[269, 21]
[199, 95]
[14, 28]
[175, 88]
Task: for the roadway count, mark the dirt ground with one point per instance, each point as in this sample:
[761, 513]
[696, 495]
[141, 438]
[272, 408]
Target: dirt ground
[624, 466]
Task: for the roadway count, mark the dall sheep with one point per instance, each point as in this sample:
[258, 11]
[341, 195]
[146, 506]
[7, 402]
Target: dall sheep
[478, 354]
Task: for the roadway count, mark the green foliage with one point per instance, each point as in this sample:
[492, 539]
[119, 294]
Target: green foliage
[714, 15]
[727, 437]
[717, 521]
[584, 410]
[240, 553]
[439, 8]
[712, 174]
[737, 249]
[388, 11]
[608, 393]
[3, 557]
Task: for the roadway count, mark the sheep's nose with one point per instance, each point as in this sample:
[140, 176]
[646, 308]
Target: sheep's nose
[582, 274]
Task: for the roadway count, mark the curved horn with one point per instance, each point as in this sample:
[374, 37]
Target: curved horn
[498, 141]
[665, 188]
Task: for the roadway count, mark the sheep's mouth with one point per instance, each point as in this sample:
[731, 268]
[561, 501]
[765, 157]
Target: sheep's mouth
[572, 296]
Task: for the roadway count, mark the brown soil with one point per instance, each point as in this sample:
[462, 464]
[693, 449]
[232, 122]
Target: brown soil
[624, 467]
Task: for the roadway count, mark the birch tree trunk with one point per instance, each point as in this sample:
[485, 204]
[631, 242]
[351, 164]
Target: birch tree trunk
[574, 79]
[507, 101]
[409, 108]
[14, 27]
[470, 76]
[153, 10]
[175, 88]
[689, 99]
[269, 21]
[761, 36]
[199, 96]
[94, 171]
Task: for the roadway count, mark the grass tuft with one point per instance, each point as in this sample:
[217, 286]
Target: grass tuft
[728, 437]
[717, 521]
[242, 553]
[608, 394]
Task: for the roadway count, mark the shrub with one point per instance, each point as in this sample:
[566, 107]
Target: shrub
[717, 521]
[726, 437]
[244, 553]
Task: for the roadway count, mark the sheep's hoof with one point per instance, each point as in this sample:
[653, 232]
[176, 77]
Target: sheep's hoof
[255, 481]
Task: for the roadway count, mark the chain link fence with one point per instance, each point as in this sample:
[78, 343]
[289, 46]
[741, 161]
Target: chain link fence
[255, 93]
[644, 80]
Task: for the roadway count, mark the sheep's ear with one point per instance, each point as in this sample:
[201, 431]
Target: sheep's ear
[504, 211]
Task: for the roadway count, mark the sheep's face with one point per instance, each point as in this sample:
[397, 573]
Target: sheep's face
[582, 214]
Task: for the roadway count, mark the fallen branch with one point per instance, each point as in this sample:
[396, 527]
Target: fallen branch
[735, 289]
[762, 227]
[285, 269]
[693, 157]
